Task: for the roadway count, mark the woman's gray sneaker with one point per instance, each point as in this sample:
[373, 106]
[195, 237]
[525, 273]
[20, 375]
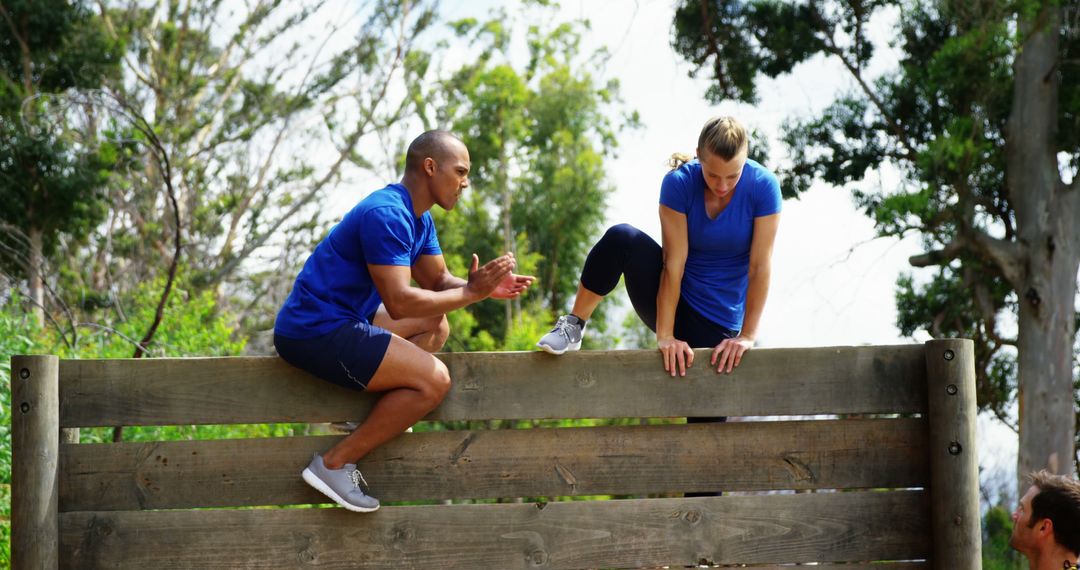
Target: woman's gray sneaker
[564, 336]
[341, 485]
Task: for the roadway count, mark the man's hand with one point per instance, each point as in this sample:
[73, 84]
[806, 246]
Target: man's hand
[512, 286]
[484, 280]
[729, 352]
[677, 355]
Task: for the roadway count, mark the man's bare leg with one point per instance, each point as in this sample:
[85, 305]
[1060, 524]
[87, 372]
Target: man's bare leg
[415, 383]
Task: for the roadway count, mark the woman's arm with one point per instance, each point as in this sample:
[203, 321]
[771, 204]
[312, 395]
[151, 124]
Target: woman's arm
[729, 352]
[677, 354]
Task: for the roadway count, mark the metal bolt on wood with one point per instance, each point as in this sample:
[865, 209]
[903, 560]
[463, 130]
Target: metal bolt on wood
[25, 407]
[955, 448]
[949, 355]
[24, 373]
[951, 389]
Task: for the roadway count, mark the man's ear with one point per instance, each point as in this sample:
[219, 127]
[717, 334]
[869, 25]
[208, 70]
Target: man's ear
[429, 166]
[1046, 527]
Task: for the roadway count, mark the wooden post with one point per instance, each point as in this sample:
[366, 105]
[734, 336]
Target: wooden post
[35, 429]
[954, 470]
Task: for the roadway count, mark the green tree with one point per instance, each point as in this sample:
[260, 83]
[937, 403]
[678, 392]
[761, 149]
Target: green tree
[982, 115]
[199, 147]
[538, 131]
[51, 187]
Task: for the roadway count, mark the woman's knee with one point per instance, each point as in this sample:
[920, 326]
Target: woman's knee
[620, 235]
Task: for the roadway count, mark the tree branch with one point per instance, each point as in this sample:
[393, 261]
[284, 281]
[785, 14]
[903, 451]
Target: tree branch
[831, 47]
[713, 46]
[1007, 256]
[344, 152]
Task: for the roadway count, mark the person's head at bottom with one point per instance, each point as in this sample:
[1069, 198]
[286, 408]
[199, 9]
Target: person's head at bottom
[1046, 523]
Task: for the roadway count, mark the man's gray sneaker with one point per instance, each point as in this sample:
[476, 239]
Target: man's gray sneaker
[564, 336]
[341, 485]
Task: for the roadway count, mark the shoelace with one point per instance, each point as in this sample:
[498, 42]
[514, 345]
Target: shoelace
[562, 325]
[358, 479]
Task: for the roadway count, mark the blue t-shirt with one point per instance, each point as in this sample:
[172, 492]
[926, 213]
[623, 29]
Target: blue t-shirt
[335, 287]
[718, 258]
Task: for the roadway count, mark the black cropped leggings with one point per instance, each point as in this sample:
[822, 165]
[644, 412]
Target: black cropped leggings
[630, 253]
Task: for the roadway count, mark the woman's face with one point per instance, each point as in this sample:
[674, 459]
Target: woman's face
[721, 175]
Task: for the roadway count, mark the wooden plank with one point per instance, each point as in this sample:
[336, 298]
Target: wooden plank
[858, 526]
[35, 436]
[883, 565]
[504, 385]
[954, 464]
[627, 460]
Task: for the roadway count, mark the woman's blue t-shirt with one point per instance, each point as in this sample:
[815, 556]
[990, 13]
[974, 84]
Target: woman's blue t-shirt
[335, 287]
[718, 258]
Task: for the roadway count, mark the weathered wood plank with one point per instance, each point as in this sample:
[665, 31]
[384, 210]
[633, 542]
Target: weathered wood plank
[610, 534]
[35, 437]
[627, 460]
[504, 385]
[884, 565]
[954, 464]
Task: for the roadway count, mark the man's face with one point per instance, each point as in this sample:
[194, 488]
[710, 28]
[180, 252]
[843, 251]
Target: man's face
[450, 176]
[1024, 536]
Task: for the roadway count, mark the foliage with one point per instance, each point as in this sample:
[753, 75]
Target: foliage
[538, 133]
[980, 115]
[997, 528]
[51, 185]
[192, 325]
[16, 331]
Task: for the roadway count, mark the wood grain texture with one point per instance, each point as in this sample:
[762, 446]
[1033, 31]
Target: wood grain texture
[504, 385]
[769, 529]
[950, 365]
[741, 456]
[35, 437]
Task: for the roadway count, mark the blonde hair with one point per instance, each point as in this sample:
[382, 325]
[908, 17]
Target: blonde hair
[724, 137]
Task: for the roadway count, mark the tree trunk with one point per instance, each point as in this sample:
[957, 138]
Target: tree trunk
[35, 280]
[1045, 363]
[1046, 221]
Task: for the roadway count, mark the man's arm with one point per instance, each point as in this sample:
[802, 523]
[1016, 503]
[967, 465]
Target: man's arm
[402, 300]
[430, 273]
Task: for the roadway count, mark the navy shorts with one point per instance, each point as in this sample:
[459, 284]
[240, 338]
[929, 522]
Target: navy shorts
[348, 357]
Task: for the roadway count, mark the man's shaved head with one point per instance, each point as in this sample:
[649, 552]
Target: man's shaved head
[434, 144]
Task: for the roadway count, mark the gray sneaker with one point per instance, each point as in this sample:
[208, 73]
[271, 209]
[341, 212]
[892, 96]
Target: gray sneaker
[341, 485]
[564, 336]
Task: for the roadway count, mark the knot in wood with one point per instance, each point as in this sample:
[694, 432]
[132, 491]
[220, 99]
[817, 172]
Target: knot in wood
[306, 556]
[585, 380]
[692, 517]
[401, 533]
[537, 557]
